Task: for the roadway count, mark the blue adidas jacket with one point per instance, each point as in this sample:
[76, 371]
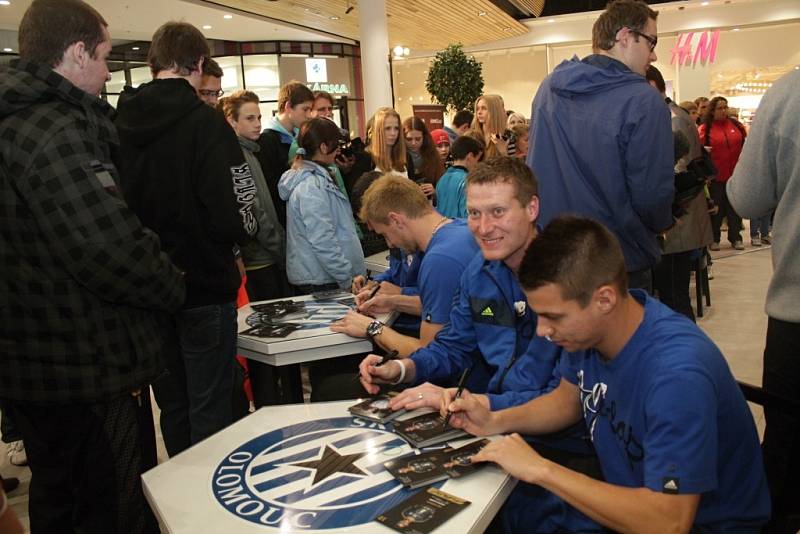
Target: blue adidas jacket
[601, 146]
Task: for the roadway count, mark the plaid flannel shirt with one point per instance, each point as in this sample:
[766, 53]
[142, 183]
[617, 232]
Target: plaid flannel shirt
[83, 283]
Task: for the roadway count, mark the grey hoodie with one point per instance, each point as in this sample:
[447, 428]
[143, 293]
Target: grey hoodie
[767, 178]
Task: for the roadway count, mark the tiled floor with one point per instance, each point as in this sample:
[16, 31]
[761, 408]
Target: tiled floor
[735, 321]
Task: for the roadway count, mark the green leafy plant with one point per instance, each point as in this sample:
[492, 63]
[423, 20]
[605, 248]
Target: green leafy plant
[455, 80]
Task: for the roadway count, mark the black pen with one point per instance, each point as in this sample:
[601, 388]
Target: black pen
[374, 291]
[461, 383]
[391, 355]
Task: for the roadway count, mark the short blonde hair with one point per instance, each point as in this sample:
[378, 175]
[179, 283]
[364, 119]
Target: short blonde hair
[392, 193]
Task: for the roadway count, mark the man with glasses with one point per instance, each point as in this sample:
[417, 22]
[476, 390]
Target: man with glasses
[211, 86]
[601, 139]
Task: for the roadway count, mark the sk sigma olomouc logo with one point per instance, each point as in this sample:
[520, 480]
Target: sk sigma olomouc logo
[315, 475]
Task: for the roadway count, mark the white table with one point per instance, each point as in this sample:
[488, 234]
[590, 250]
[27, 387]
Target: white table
[377, 263]
[300, 346]
[258, 476]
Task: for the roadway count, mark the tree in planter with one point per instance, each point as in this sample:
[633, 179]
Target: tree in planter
[455, 80]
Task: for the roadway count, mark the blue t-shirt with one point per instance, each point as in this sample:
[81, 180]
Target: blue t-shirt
[451, 197]
[667, 414]
[449, 252]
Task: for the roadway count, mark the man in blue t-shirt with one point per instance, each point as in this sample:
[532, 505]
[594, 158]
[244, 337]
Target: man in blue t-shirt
[673, 433]
[396, 209]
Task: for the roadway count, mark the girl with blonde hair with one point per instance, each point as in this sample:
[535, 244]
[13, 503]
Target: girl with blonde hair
[387, 146]
[490, 124]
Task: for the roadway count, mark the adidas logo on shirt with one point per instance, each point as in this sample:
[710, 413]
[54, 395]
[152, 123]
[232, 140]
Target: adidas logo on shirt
[671, 485]
[487, 312]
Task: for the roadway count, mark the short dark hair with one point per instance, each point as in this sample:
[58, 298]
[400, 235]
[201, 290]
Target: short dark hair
[316, 132]
[462, 117]
[360, 187]
[654, 75]
[466, 145]
[294, 93]
[49, 27]
[177, 46]
[576, 254]
[632, 14]
[505, 169]
[212, 68]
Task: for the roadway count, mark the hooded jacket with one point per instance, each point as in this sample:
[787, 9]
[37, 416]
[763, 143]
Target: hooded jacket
[269, 247]
[81, 281]
[274, 144]
[322, 244]
[184, 174]
[601, 146]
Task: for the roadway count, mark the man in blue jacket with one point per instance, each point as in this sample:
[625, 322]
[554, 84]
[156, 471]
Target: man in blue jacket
[492, 328]
[601, 140]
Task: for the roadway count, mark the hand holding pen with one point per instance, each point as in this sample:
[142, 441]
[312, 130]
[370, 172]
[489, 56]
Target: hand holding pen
[461, 383]
[391, 355]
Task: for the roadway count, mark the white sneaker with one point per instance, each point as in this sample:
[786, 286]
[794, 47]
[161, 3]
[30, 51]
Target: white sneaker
[16, 453]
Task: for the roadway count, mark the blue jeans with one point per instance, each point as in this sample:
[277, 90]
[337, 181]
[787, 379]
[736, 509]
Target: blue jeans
[195, 394]
[760, 226]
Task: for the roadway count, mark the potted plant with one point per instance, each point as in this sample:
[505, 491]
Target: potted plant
[455, 80]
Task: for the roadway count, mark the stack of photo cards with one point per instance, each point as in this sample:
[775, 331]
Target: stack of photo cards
[376, 408]
[422, 513]
[426, 430]
[420, 470]
[270, 330]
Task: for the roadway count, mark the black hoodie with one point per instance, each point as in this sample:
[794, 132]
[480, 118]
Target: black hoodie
[184, 175]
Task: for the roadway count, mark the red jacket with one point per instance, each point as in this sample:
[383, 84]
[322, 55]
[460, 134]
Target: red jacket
[726, 141]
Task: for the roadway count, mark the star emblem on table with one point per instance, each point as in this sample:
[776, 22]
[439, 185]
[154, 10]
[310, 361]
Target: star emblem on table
[332, 463]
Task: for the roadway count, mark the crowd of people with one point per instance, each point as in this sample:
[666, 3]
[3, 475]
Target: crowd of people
[530, 252]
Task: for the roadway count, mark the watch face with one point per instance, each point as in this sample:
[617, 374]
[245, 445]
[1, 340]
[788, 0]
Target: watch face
[374, 328]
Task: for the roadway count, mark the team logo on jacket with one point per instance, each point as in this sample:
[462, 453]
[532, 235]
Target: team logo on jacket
[322, 474]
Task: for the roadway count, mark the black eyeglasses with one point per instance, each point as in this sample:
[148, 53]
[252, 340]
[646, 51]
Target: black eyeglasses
[209, 93]
[649, 38]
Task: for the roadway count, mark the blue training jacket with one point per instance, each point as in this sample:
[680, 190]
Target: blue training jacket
[601, 146]
[491, 318]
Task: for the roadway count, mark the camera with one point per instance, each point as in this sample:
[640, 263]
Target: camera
[350, 147]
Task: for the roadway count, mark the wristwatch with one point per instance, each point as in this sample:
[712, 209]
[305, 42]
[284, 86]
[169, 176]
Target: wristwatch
[374, 328]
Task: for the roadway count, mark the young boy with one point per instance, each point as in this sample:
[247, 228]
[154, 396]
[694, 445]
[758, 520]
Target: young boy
[452, 198]
[295, 102]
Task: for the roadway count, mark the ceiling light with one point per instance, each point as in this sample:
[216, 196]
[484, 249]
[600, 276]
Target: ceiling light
[551, 20]
[228, 17]
[206, 26]
[481, 13]
[7, 49]
[736, 29]
[134, 48]
[334, 17]
[5, 3]
[703, 3]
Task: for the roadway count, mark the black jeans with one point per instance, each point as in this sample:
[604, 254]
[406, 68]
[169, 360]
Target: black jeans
[720, 197]
[782, 435]
[85, 462]
[7, 427]
[671, 280]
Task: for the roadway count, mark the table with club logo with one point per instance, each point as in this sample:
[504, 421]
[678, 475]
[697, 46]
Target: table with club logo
[302, 468]
[313, 340]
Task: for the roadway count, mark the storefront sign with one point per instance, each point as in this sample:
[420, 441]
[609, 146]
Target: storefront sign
[332, 88]
[706, 50]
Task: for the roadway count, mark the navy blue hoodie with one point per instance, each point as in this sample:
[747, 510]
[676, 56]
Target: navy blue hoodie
[601, 146]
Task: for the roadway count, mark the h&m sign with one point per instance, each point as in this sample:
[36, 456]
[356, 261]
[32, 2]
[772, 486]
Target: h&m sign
[686, 52]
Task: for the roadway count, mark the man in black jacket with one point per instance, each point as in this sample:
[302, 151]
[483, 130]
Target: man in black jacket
[185, 176]
[82, 284]
[295, 102]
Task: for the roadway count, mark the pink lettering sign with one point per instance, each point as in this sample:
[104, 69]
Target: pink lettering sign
[706, 52]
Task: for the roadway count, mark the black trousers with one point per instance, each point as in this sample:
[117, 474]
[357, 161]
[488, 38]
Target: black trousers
[782, 435]
[671, 280]
[272, 385]
[85, 462]
[720, 197]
